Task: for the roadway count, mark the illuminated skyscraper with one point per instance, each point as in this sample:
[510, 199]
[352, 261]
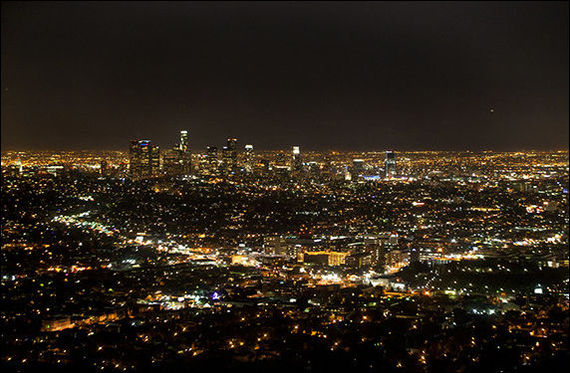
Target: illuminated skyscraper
[248, 158]
[297, 161]
[144, 159]
[171, 162]
[211, 160]
[390, 164]
[177, 160]
[185, 157]
[184, 141]
[229, 156]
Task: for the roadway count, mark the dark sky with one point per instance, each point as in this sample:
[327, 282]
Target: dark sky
[361, 76]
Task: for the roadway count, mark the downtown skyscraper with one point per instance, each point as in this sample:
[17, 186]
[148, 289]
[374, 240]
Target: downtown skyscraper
[390, 164]
[229, 156]
[177, 160]
[144, 159]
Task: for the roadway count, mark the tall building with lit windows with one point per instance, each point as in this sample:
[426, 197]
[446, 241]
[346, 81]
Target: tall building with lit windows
[144, 159]
[185, 157]
[177, 160]
[229, 156]
[248, 158]
[171, 162]
[183, 141]
[297, 160]
[210, 161]
[390, 164]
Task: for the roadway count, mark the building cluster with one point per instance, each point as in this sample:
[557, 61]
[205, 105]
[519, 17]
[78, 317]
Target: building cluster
[147, 161]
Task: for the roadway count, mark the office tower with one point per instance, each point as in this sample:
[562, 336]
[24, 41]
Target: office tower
[171, 162]
[274, 245]
[248, 158]
[229, 156]
[184, 141]
[390, 164]
[297, 161]
[155, 160]
[177, 160]
[359, 260]
[232, 145]
[144, 159]
[225, 159]
[184, 155]
[135, 159]
[211, 160]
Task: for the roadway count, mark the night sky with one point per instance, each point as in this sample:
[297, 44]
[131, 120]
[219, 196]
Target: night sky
[347, 76]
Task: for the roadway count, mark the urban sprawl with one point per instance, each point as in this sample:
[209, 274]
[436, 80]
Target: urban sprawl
[236, 259]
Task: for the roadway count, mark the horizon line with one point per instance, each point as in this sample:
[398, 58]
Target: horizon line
[309, 150]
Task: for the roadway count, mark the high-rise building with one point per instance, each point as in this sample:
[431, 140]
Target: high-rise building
[248, 158]
[211, 160]
[229, 156]
[185, 157]
[155, 161]
[144, 159]
[184, 141]
[297, 161]
[274, 245]
[390, 164]
[177, 161]
[171, 162]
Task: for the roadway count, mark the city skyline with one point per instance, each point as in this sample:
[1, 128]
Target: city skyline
[285, 187]
[325, 76]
